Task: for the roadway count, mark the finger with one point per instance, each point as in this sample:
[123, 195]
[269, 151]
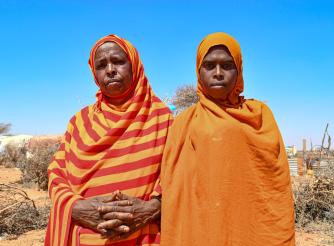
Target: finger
[108, 209]
[120, 203]
[110, 234]
[102, 231]
[109, 224]
[118, 215]
[122, 229]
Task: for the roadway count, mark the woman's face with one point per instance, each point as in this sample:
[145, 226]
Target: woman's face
[218, 73]
[112, 69]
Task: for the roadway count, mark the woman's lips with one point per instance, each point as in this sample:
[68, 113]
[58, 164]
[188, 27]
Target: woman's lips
[113, 82]
[221, 84]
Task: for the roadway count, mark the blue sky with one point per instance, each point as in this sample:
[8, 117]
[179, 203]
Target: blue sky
[287, 49]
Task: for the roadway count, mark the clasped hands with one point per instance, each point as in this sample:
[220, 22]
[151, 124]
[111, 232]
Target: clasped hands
[116, 216]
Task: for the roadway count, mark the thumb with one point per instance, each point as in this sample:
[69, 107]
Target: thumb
[111, 197]
[122, 196]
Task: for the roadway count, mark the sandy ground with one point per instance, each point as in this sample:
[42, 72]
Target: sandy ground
[312, 239]
[36, 237]
[9, 175]
[31, 238]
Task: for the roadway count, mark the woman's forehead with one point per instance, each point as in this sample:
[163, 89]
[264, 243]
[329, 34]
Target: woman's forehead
[218, 50]
[219, 47]
[109, 46]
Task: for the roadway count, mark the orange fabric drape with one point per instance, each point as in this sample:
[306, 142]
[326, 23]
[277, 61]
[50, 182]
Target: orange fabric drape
[108, 148]
[225, 176]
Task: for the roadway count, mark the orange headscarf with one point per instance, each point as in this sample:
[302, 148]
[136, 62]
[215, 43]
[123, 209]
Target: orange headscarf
[112, 148]
[220, 38]
[225, 176]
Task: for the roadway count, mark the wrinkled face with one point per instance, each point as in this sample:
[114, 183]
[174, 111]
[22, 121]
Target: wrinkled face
[218, 73]
[112, 69]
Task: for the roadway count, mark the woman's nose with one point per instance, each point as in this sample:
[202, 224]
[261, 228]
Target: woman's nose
[111, 69]
[219, 73]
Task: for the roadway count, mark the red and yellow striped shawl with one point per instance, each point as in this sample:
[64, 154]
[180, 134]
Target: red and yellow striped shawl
[106, 149]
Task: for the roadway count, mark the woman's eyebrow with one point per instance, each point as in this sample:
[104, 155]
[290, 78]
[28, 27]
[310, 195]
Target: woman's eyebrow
[100, 56]
[113, 56]
[98, 60]
[225, 59]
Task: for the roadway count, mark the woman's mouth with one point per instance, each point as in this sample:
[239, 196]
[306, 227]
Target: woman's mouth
[112, 82]
[217, 84]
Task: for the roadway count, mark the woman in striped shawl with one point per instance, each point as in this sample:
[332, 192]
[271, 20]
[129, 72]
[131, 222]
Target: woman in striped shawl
[104, 179]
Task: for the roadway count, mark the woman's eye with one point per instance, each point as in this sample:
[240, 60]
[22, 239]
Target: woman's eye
[228, 66]
[209, 66]
[99, 66]
[119, 62]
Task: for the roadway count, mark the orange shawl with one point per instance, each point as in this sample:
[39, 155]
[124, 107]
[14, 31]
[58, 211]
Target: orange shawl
[108, 148]
[225, 176]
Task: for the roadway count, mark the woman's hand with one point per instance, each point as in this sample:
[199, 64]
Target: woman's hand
[86, 213]
[143, 212]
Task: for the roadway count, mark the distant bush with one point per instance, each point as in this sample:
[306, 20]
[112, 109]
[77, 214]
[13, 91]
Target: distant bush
[13, 156]
[37, 161]
[4, 128]
[32, 159]
[184, 97]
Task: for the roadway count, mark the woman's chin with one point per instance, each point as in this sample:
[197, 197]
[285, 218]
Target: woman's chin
[217, 93]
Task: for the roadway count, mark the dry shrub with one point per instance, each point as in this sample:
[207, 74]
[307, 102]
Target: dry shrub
[18, 213]
[4, 128]
[39, 157]
[13, 156]
[184, 97]
[32, 159]
[314, 198]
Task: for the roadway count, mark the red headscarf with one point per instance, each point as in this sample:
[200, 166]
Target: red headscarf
[138, 77]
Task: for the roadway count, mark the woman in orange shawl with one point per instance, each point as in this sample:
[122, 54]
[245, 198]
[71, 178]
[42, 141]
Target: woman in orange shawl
[113, 145]
[225, 176]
